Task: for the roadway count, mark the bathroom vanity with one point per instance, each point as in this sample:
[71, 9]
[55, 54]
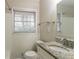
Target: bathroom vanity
[44, 53]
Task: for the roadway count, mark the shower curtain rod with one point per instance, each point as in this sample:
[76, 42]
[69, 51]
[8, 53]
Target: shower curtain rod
[47, 22]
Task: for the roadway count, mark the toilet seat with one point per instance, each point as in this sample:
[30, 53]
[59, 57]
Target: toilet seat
[30, 55]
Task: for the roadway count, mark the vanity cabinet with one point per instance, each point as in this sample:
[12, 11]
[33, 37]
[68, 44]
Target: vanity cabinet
[43, 54]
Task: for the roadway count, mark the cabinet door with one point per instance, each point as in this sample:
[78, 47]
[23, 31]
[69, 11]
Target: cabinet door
[43, 54]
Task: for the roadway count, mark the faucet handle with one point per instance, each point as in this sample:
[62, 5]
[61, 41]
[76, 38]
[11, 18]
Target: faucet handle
[62, 39]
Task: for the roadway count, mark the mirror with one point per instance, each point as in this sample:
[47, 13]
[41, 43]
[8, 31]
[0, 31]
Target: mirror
[65, 19]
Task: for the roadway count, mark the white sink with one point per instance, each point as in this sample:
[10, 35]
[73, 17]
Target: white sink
[60, 52]
[58, 49]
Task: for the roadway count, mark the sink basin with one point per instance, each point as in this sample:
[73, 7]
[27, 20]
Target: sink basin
[61, 52]
[58, 49]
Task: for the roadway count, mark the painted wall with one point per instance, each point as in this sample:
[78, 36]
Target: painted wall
[20, 42]
[8, 35]
[47, 13]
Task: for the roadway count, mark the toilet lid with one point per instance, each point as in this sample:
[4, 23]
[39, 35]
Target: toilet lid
[30, 53]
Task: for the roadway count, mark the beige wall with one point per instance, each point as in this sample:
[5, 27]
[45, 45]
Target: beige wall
[8, 31]
[47, 13]
[17, 43]
[8, 35]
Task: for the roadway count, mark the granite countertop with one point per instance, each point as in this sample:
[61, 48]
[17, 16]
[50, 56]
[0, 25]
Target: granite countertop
[45, 46]
[66, 55]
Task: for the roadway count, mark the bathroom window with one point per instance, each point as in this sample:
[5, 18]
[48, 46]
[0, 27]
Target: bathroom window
[24, 21]
[59, 22]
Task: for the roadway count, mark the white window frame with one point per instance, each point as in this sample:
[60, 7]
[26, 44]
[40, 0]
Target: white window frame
[21, 21]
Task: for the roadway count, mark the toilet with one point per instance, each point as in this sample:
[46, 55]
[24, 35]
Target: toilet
[30, 55]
